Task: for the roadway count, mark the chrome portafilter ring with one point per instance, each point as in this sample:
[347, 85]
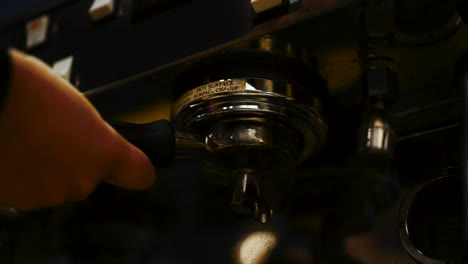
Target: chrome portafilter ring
[201, 110]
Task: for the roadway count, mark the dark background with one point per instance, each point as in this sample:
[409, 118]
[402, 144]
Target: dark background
[15, 11]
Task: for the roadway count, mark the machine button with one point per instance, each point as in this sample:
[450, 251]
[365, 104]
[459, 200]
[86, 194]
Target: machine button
[101, 9]
[260, 6]
[63, 67]
[36, 31]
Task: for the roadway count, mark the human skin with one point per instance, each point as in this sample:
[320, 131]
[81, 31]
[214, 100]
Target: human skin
[54, 145]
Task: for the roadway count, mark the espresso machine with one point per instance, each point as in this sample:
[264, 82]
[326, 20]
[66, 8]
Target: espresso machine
[283, 131]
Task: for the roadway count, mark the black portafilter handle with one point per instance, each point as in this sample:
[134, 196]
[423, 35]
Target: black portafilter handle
[156, 139]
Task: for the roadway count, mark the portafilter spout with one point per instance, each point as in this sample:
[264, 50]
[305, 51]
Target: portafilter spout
[246, 198]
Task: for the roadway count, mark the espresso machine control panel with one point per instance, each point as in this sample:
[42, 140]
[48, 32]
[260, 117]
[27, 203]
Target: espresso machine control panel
[283, 131]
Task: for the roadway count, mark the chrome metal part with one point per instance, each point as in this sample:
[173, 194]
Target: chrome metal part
[377, 136]
[190, 146]
[247, 196]
[276, 142]
[255, 118]
[255, 115]
[249, 123]
[431, 219]
[379, 83]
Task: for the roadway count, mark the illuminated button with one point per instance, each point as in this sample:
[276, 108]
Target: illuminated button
[36, 31]
[101, 9]
[260, 6]
[63, 67]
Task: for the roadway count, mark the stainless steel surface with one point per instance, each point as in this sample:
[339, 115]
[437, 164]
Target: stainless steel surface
[252, 86]
[254, 133]
[422, 212]
[254, 118]
[377, 136]
[250, 122]
[190, 146]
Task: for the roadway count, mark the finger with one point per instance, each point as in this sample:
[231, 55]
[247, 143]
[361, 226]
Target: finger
[132, 169]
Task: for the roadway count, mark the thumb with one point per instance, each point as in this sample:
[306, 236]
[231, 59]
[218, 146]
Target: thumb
[131, 168]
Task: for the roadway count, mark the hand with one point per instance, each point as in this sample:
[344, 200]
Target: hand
[54, 146]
